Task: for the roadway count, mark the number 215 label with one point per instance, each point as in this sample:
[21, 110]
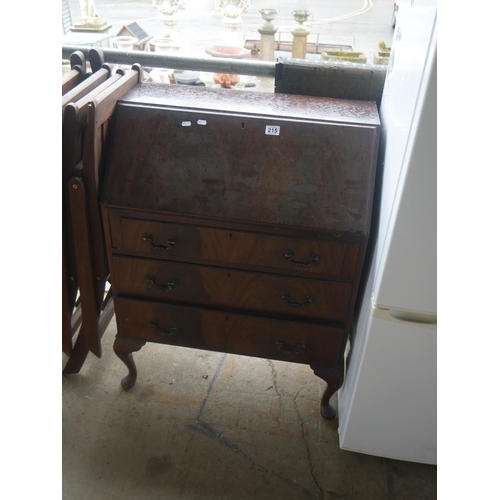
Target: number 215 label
[272, 130]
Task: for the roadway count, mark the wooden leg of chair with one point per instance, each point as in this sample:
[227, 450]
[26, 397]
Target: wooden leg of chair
[78, 355]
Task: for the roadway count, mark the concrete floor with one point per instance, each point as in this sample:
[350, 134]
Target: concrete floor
[212, 426]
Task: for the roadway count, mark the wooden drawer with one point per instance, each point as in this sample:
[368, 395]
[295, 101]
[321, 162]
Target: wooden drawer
[299, 342]
[279, 253]
[228, 288]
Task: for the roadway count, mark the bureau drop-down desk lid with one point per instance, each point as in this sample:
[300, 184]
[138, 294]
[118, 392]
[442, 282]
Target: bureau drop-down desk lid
[273, 159]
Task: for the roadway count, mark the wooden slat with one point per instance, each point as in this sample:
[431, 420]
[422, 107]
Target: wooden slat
[86, 86]
[71, 79]
[85, 267]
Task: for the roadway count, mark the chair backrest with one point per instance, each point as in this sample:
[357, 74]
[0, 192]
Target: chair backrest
[66, 17]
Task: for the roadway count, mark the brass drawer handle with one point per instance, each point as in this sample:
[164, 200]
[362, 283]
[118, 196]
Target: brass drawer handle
[281, 347]
[158, 288]
[168, 333]
[171, 242]
[309, 299]
[288, 254]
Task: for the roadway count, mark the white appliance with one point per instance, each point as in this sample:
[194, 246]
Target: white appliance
[387, 406]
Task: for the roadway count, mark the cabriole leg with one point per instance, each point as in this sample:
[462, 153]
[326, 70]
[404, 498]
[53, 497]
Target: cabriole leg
[124, 347]
[334, 377]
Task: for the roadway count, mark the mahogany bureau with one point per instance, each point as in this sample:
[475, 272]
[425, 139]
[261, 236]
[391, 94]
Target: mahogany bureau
[238, 222]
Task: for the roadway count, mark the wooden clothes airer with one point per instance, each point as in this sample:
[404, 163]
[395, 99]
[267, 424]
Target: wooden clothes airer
[87, 106]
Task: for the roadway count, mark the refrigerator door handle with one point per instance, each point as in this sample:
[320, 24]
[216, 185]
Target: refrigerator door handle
[416, 318]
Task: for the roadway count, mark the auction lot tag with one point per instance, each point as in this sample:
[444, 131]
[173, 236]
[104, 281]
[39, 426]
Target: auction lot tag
[272, 130]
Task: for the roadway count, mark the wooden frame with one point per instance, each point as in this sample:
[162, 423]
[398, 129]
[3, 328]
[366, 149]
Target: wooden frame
[71, 155]
[84, 258]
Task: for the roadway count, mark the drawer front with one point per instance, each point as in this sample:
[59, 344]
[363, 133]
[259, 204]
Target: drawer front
[226, 332]
[171, 241]
[227, 288]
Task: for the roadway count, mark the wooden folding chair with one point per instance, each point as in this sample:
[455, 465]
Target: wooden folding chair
[83, 192]
[71, 155]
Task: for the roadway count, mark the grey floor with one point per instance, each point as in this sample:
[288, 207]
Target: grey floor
[211, 426]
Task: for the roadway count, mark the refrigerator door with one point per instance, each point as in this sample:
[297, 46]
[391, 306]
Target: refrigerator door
[391, 404]
[405, 253]
[387, 406]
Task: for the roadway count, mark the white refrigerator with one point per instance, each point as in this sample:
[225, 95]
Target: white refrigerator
[387, 406]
